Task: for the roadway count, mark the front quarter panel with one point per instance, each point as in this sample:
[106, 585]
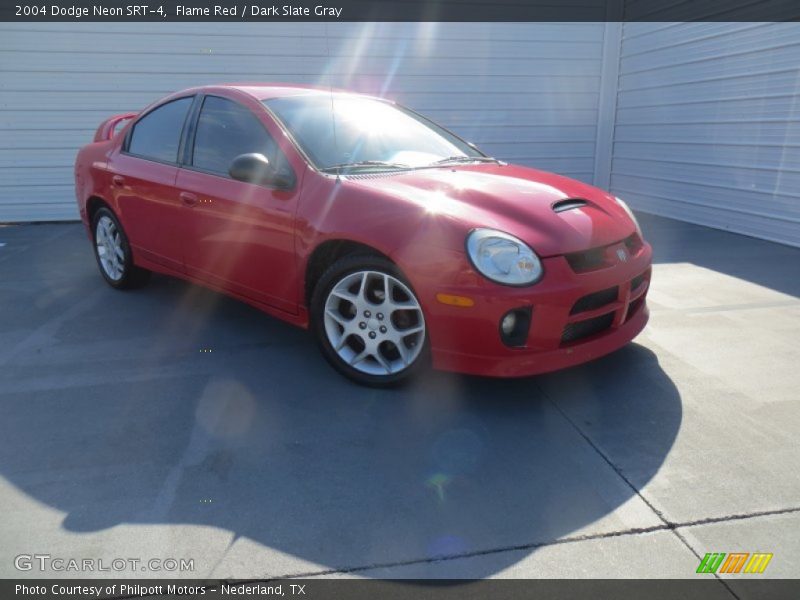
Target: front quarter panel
[426, 245]
[334, 208]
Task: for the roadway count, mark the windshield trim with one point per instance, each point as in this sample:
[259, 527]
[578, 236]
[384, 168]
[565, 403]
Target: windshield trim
[328, 170]
[345, 168]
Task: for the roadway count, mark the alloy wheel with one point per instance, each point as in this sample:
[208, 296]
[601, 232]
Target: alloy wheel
[374, 323]
[108, 242]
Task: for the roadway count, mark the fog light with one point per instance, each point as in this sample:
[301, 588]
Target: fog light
[509, 323]
[514, 327]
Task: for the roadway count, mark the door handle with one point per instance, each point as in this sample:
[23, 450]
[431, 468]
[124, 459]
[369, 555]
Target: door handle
[118, 180]
[188, 199]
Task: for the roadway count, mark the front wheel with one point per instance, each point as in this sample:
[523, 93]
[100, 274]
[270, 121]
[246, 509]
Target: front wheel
[368, 321]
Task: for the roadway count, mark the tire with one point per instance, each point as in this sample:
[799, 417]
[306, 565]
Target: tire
[373, 337]
[113, 253]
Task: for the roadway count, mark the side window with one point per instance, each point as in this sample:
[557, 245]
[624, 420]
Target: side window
[157, 135]
[225, 130]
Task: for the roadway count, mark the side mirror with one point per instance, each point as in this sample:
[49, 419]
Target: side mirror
[256, 168]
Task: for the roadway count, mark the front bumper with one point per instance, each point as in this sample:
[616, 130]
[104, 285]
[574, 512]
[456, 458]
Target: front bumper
[523, 363]
[576, 316]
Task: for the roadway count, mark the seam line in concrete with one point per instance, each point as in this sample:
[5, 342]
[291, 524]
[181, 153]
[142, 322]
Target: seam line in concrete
[602, 455]
[519, 547]
[737, 517]
[667, 523]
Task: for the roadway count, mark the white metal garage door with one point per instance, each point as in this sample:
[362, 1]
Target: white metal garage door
[708, 125]
[524, 92]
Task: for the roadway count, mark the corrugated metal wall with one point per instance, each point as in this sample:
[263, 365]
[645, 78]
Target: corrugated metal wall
[524, 92]
[708, 125]
[702, 122]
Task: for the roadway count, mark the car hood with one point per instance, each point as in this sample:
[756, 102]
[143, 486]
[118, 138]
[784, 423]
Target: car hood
[514, 199]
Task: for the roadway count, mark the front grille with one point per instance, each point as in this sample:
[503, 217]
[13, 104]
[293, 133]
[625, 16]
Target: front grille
[581, 329]
[588, 260]
[637, 281]
[634, 243]
[598, 258]
[595, 300]
[633, 307]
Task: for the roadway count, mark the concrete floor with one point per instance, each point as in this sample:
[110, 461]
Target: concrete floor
[121, 437]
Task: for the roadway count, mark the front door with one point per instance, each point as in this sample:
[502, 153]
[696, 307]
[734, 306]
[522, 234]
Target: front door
[240, 236]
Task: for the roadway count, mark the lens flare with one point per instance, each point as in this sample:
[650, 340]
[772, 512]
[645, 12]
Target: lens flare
[438, 482]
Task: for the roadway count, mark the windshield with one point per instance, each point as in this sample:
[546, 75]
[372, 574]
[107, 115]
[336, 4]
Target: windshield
[366, 133]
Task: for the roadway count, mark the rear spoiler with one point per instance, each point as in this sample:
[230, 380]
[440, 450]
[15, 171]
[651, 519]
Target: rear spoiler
[109, 126]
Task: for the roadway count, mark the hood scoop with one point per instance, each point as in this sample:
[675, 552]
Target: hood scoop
[568, 204]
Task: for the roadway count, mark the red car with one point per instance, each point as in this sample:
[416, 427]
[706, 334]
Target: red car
[396, 242]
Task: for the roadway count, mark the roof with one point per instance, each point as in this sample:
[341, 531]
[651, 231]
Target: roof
[264, 91]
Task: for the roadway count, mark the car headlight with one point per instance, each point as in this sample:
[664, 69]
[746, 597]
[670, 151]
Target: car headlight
[503, 258]
[628, 210]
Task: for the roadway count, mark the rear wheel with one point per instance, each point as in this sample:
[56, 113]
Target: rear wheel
[113, 252]
[368, 321]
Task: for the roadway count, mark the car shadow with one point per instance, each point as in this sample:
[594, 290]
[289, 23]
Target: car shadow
[260, 437]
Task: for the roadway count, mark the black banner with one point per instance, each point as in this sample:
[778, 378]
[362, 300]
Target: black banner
[700, 588]
[399, 10]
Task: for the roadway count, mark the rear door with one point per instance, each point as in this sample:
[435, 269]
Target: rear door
[240, 236]
[144, 170]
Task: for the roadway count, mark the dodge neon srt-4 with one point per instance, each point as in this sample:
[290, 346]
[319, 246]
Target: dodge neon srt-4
[397, 243]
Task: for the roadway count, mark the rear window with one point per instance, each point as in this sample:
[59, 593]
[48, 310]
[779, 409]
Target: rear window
[157, 135]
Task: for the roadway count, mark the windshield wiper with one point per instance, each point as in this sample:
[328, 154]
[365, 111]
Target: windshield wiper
[463, 158]
[366, 163]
